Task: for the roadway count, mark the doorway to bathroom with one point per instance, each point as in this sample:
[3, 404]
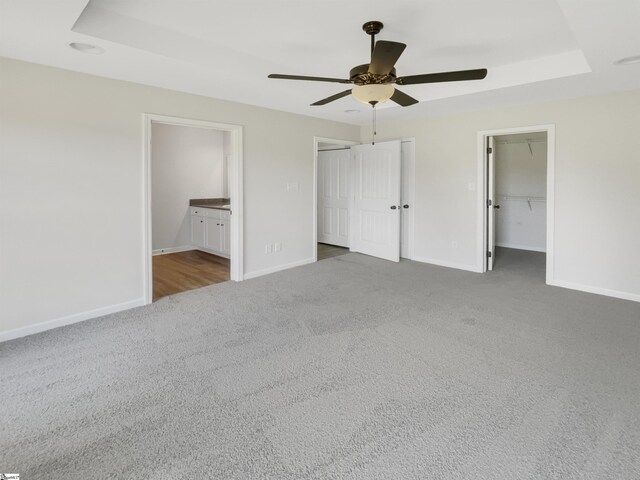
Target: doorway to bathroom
[193, 205]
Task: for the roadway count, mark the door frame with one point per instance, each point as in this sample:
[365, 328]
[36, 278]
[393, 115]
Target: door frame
[236, 192]
[412, 195]
[316, 142]
[482, 226]
[490, 143]
[349, 143]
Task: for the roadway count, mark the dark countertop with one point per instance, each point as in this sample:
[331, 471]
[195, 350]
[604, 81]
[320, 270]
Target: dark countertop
[216, 207]
[215, 203]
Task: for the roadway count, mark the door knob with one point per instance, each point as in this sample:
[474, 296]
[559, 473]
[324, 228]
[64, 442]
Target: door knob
[405, 206]
[393, 207]
[496, 206]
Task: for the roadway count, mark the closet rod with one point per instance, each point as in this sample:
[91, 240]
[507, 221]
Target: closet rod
[522, 197]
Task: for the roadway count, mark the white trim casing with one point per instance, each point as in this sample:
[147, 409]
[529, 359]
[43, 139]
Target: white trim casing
[550, 129]
[68, 320]
[316, 141]
[236, 192]
[411, 231]
[278, 268]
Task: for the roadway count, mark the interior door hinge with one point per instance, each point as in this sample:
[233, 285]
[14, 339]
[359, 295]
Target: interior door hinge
[489, 150]
[488, 203]
[489, 254]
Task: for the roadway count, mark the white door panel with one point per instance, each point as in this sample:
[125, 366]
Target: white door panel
[333, 197]
[343, 222]
[375, 225]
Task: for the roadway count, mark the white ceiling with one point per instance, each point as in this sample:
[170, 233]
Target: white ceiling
[535, 50]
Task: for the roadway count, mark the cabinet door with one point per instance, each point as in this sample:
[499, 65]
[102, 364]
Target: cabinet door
[226, 237]
[214, 233]
[197, 230]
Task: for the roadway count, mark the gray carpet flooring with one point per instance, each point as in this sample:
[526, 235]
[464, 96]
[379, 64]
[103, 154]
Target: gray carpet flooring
[350, 368]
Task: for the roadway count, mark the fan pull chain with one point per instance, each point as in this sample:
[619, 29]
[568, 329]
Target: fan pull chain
[373, 138]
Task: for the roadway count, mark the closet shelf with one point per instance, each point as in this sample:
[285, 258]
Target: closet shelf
[524, 198]
[521, 197]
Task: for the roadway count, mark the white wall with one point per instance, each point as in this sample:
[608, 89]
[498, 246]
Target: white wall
[186, 163]
[71, 198]
[521, 224]
[597, 199]
[227, 152]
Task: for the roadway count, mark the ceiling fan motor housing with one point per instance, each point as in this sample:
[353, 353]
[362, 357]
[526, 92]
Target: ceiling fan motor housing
[360, 75]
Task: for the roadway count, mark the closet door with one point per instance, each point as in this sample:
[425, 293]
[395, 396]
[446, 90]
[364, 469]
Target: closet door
[333, 197]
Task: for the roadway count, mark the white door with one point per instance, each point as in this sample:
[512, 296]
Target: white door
[375, 225]
[491, 199]
[407, 194]
[333, 197]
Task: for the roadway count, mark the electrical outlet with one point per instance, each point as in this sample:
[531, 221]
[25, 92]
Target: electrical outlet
[293, 186]
[277, 247]
[267, 248]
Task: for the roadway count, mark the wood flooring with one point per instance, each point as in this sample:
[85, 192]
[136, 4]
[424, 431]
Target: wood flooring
[179, 272]
[327, 251]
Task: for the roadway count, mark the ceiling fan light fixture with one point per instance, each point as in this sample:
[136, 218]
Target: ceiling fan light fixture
[374, 93]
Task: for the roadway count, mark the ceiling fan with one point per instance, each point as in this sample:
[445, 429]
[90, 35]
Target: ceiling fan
[374, 81]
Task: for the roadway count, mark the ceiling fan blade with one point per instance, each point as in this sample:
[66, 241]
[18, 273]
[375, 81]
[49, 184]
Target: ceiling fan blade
[313, 79]
[458, 76]
[384, 56]
[403, 99]
[324, 101]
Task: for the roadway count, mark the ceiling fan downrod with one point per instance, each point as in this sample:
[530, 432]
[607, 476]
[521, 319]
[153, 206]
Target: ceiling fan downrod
[372, 28]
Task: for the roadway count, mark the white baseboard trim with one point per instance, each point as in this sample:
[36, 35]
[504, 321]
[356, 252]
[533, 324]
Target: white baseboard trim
[163, 251]
[187, 248]
[68, 320]
[331, 242]
[267, 271]
[444, 263]
[634, 297]
[522, 247]
[212, 252]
